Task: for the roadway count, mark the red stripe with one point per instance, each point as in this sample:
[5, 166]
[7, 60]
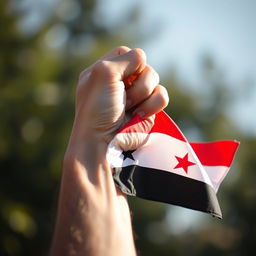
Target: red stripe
[210, 154]
[163, 124]
[216, 153]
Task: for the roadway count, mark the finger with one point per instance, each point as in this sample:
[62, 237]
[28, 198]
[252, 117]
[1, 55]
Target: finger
[157, 101]
[115, 52]
[119, 67]
[142, 87]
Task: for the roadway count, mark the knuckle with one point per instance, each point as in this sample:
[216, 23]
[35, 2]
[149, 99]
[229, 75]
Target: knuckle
[122, 49]
[102, 69]
[163, 97]
[157, 78]
[142, 92]
[154, 74]
[146, 90]
[139, 55]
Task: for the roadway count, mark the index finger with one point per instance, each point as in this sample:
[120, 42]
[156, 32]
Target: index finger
[115, 52]
[118, 68]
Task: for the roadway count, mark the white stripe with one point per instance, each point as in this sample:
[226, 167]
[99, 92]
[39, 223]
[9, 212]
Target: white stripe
[216, 174]
[159, 153]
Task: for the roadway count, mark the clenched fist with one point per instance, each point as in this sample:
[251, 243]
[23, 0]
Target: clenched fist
[93, 216]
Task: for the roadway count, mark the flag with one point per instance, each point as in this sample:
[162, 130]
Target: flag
[167, 168]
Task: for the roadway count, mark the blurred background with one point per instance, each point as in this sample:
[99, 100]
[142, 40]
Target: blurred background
[205, 53]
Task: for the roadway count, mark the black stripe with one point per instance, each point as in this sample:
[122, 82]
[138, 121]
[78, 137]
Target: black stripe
[167, 187]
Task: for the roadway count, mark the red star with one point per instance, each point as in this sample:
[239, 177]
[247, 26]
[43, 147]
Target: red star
[183, 163]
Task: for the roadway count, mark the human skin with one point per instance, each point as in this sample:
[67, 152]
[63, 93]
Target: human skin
[93, 215]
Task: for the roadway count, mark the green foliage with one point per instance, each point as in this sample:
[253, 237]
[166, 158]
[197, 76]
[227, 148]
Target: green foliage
[38, 74]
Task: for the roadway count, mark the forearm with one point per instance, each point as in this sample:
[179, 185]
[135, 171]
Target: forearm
[92, 219]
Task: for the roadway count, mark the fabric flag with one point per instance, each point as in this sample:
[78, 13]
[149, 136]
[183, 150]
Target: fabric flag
[169, 169]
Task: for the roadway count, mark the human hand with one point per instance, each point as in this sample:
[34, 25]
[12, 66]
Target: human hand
[93, 216]
[118, 85]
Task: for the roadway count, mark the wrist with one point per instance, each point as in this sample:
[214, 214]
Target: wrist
[86, 149]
